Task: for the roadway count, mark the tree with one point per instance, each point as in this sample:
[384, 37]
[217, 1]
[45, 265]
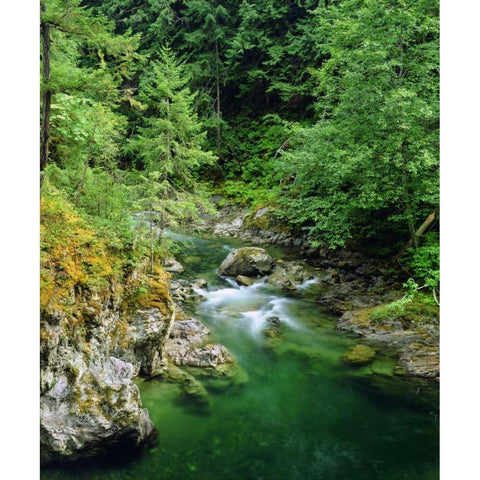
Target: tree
[372, 158]
[203, 44]
[170, 141]
[83, 65]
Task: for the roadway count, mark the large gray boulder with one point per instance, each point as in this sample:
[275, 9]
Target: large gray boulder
[187, 346]
[248, 261]
[91, 409]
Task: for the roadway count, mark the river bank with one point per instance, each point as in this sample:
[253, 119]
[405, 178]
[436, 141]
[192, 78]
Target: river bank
[200, 340]
[361, 290]
[296, 410]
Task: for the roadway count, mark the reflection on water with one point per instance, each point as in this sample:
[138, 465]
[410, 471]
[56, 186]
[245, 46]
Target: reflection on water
[302, 414]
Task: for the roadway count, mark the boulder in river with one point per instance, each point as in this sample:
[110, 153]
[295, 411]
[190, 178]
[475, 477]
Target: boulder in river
[187, 346]
[245, 281]
[248, 261]
[290, 274]
[92, 409]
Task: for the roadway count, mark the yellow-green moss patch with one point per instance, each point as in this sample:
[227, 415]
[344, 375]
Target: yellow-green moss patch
[359, 355]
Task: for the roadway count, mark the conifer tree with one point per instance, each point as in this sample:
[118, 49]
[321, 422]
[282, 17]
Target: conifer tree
[169, 143]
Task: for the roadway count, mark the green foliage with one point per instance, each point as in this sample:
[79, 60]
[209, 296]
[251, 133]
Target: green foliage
[133, 121]
[171, 138]
[247, 193]
[425, 261]
[374, 151]
[397, 307]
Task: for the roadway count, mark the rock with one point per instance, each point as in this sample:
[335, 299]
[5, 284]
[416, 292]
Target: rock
[359, 355]
[260, 213]
[88, 356]
[271, 332]
[274, 320]
[188, 349]
[143, 342]
[290, 275]
[90, 410]
[183, 290]
[245, 281]
[186, 346]
[248, 261]
[191, 388]
[173, 266]
[412, 334]
[200, 283]
[419, 360]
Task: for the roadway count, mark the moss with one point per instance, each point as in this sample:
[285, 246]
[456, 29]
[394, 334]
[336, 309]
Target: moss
[73, 257]
[268, 221]
[416, 312]
[120, 333]
[158, 292]
[359, 355]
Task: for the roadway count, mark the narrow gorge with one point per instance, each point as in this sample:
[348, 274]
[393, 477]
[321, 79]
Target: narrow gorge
[202, 371]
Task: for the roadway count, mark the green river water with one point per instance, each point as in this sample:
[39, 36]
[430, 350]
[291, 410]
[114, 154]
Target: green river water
[302, 414]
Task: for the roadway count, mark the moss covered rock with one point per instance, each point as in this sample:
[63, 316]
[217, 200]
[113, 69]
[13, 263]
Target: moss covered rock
[359, 355]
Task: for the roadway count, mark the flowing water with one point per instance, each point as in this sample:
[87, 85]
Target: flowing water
[302, 414]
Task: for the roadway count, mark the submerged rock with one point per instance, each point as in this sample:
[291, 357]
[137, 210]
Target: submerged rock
[192, 390]
[248, 261]
[413, 334]
[359, 355]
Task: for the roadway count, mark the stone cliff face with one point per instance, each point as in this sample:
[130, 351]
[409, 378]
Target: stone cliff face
[98, 329]
[89, 355]
[101, 324]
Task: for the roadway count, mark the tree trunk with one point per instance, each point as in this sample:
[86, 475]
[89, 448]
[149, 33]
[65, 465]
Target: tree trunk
[85, 167]
[152, 239]
[46, 94]
[219, 112]
[421, 230]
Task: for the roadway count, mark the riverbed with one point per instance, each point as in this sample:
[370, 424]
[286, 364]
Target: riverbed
[299, 412]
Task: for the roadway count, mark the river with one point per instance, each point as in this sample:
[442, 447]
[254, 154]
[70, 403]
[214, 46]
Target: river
[302, 414]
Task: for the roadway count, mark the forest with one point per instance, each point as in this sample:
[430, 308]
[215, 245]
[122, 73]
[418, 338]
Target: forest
[326, 110]
[239, 239]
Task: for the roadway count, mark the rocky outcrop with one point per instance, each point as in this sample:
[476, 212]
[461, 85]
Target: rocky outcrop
[290, 274]
[260, 227]
[91, 409]
[187, 346]
[92, 345]
[413, 334]
[248, 261]
[144, 338]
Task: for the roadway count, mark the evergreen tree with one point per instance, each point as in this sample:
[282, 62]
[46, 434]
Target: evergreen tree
[203, 45]
[169, 144]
